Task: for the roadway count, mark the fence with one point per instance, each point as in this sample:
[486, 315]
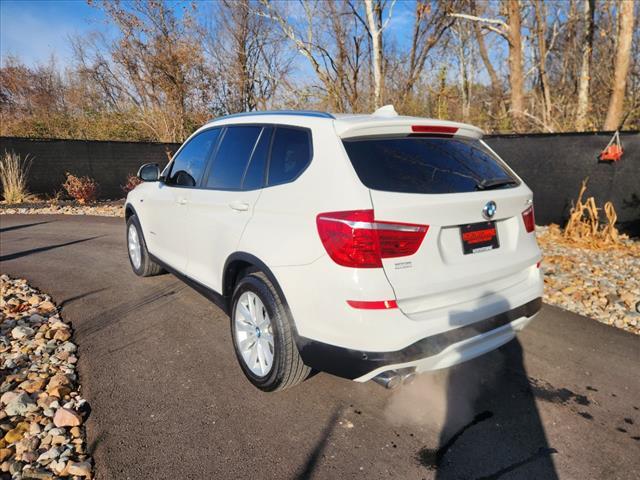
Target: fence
[553, 165]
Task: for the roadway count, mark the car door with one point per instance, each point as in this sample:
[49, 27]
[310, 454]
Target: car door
[219, 212]
[165, 222]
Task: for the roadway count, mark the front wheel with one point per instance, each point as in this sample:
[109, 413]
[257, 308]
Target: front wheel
[262, 336]
[141, 264]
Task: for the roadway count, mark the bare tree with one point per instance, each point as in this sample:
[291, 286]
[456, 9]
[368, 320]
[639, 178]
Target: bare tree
[154, 63]
[249, 62]
[585, 68]
[331, 39]
[497, 103]
[543, 50]
[375, 27]
[511, 32]
[431, 21]
[623, 59]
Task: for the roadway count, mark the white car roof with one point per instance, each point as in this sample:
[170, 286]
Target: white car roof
[385, 121]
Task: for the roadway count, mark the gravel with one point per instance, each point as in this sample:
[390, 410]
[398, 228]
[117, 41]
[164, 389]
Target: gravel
[105, 209]
[603, 284]
[42, 416]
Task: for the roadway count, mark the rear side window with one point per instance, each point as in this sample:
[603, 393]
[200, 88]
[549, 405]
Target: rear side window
[188, 166]
[426, 165]
[232, 157]
[290, 154]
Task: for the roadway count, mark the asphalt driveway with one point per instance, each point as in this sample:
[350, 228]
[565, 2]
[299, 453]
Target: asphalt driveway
[169, 401]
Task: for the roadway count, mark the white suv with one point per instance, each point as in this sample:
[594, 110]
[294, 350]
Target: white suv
[367, 246]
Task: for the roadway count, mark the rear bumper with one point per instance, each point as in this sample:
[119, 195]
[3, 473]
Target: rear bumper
[430, 353]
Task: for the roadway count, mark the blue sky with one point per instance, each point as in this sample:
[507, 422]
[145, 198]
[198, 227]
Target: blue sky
[34, 30]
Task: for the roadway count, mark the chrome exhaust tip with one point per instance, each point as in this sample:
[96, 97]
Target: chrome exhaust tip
[394, 378]
[408, 378]
[389, 379]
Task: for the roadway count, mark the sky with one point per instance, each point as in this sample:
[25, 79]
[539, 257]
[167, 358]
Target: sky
[36, 29]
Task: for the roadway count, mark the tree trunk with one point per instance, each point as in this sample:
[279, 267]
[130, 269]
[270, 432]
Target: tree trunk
[374, 20]
[623, 59]
[541, 27]
[516, 75]
[496, 84]
[585, 69]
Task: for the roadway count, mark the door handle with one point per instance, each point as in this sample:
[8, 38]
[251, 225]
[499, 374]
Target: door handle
[239, 206]
[181, 200]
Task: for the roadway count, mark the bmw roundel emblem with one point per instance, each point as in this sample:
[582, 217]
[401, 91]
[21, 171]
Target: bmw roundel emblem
[489, 210]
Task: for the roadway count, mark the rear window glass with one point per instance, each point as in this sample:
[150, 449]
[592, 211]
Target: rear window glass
[290, 154]
[426, 165]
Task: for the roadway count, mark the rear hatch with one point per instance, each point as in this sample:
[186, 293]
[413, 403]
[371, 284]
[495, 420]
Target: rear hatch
[478, 243]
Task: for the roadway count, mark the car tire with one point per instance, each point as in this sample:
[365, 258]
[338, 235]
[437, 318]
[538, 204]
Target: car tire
[286, 367]
[142, 265]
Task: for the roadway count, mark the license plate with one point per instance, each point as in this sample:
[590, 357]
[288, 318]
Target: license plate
[479, 237]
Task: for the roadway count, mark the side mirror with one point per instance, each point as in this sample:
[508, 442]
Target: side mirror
[149, 172]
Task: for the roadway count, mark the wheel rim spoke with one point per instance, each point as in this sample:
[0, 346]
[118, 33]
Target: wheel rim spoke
[135, 253]
[253, 334]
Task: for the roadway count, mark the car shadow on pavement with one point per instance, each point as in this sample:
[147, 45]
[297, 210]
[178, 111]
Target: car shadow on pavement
[316, 454]
[31, 251]
[24, 225]
[492, 426]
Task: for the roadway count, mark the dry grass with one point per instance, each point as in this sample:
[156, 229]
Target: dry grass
[13, 175]
[584, 227]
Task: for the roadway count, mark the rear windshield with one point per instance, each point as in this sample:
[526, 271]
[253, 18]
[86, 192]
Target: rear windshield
[427, 165]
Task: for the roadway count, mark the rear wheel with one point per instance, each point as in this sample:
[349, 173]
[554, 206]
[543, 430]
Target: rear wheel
[262, 336]
[141, 264]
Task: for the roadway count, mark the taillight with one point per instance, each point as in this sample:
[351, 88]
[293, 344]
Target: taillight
[434, 129]
[354, 239]
[529, 219]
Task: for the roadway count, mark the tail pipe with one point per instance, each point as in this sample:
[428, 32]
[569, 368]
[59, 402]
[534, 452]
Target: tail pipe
[394, 378]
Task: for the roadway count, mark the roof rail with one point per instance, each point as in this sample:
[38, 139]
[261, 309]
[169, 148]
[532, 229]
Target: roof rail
[302, 113]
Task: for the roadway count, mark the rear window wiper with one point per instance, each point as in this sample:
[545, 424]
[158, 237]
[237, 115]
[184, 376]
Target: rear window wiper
[491, 183]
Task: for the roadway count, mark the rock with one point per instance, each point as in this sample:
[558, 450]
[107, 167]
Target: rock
[21, 332]
[49, 455]
[62, 335]
[59, 392]
[75, 431]
[81, 469]
[58, 467]
[32, 386]
[68, 347]
[39, 474]
[47, 306]
[35, 318]
[20, 405]
[5, 453]
[65, 417]
[8, 397]
[34, 300]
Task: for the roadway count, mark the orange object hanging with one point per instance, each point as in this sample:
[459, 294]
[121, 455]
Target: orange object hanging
[613, 151]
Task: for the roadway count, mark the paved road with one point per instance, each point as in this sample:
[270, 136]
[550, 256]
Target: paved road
[169, 401]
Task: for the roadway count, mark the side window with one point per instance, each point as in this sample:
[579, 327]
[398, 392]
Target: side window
[189, 164]
[254, 176]
[290, 154]
[233, 155]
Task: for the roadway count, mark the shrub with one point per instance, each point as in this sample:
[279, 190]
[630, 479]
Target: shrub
[13, 175]
[82, 189]
[132, 182]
